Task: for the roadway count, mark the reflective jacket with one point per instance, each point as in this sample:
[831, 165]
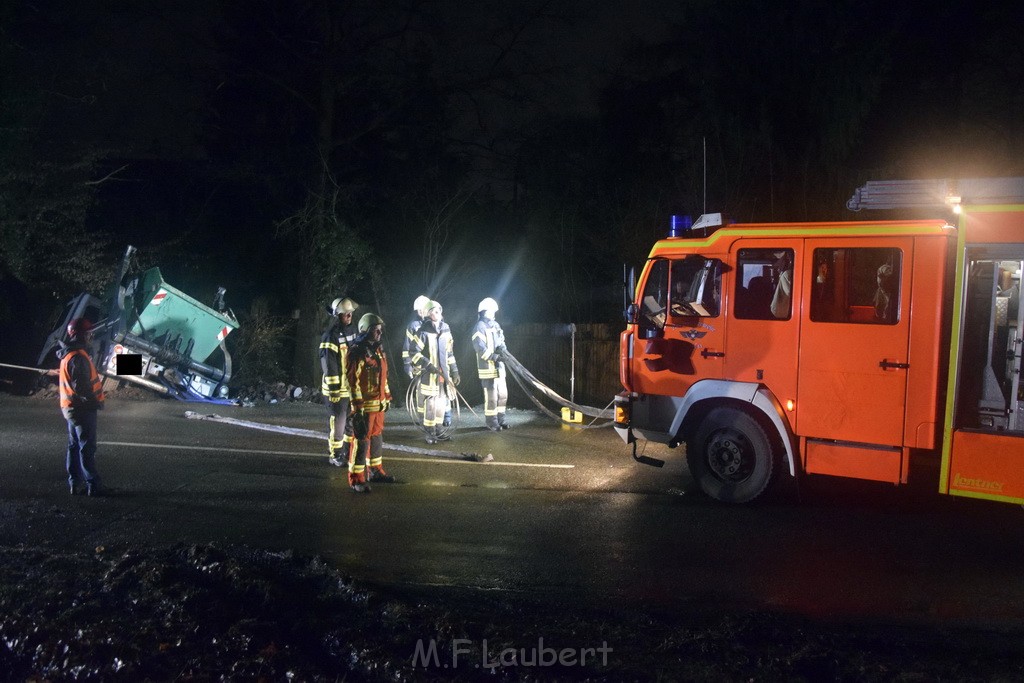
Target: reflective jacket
[334, 348]
[80, 385]
[411, 345]
[437, 349]
[487, 336]
[368, 377]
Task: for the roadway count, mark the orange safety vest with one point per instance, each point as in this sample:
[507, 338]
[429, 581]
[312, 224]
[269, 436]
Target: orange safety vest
[67, 393]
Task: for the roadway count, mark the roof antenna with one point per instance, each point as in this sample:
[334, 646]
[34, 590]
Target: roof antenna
[704, 141]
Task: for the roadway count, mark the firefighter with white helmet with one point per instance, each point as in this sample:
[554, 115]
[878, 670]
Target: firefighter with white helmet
[335, 343]
[410, 345]
[435, 360]
[489, 344]
[371, 398]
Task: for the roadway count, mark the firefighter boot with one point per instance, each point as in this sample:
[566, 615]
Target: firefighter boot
[492, 423]
[501, 422]
[336, 461]
[357, 482]
[441, 434]
[379, 476]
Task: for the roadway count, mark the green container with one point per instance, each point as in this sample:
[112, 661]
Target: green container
[164, 309]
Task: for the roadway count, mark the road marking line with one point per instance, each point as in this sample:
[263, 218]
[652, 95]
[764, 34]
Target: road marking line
[439, 461]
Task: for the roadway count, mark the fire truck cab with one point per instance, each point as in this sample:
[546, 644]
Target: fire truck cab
[836, 348]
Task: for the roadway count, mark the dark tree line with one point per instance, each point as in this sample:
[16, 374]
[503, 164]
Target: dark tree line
[294, 151]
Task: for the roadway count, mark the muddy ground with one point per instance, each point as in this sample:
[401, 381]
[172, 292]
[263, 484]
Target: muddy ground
[199, 613]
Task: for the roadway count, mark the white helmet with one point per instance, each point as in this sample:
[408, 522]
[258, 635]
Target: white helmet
[487, 304]
[420, 305]
[343, 305]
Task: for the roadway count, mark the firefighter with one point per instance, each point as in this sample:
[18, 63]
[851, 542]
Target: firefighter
[334, 349]
[489, 343]
[410, 345]
[81, 396]
[371, 398]
[435, 360]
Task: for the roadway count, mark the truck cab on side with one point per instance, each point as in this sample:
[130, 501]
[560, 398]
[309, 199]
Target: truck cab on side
[828, 348]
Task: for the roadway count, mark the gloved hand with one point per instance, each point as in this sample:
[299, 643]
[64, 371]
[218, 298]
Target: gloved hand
[456, 379]
[431, 368]
[411, 373]
[385, 405]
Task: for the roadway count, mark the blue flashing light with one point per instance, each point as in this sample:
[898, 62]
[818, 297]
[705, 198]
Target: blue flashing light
[680, 225]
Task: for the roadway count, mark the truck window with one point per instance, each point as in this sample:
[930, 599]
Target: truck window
[856, 285]
[764, 284]
[695, 286]
[654, 299]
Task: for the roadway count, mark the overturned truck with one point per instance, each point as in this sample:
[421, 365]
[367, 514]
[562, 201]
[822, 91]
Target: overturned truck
[179, 340]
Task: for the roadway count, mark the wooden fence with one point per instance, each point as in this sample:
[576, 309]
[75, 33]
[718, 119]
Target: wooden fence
[546, 351]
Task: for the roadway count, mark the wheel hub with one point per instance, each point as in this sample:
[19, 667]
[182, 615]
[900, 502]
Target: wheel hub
[730, 457]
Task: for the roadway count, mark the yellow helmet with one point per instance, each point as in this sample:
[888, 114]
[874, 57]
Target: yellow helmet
[369, 320]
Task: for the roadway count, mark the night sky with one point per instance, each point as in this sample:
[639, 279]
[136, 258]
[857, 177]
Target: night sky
[294, 151]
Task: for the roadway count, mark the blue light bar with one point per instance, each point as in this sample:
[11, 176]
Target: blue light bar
[679, 227]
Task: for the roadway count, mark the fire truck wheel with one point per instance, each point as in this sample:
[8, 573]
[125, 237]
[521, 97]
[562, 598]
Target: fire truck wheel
[730, 456]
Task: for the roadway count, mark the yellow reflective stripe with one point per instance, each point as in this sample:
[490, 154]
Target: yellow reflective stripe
[480, 334]
[328, 345]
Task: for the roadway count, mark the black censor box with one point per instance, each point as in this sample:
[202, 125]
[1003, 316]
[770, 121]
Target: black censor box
[128, 363]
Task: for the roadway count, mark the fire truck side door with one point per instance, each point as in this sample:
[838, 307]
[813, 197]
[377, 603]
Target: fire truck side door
[673, 348]
[853, 358]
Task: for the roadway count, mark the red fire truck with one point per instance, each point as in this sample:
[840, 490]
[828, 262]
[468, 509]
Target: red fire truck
[837, 348]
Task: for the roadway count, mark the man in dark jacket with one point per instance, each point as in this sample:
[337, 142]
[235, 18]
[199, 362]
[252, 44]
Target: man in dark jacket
[334, 347]
[81, 395]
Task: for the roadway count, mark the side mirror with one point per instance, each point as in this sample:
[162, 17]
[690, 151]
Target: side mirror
[632, 314]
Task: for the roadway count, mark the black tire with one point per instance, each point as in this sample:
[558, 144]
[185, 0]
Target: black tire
[730, 456]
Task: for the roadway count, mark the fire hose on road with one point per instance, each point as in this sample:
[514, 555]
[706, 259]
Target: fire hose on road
[530, 385]
[526, 380]
[297, 431]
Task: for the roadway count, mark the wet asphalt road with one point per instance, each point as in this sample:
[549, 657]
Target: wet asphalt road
[560, 512]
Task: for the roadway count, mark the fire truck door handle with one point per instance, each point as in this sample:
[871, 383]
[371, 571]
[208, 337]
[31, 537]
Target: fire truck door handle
[716, 354]
[887, 365]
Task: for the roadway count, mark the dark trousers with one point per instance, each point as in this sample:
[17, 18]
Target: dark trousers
[339, 428]
[81, 455]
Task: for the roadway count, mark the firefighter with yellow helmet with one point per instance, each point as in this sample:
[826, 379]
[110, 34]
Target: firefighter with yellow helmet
[489, 344]
[335, 343]
[371, 398]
